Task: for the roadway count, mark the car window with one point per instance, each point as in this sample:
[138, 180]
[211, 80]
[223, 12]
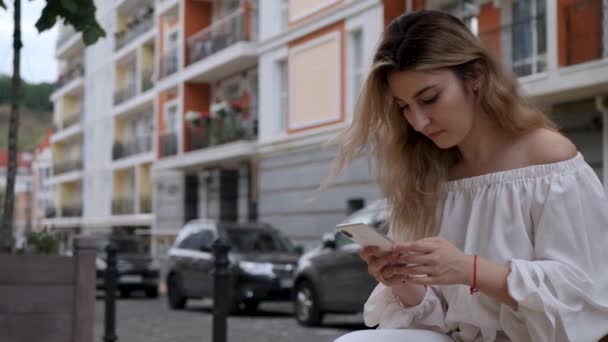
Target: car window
[254, 240]
[123, 245]
[198, 240]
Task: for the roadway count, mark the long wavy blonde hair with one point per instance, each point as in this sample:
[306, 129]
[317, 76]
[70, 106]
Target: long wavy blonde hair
[410, 169]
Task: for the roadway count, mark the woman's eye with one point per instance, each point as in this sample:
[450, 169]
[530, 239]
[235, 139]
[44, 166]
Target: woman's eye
[430, 100]
[402, 108]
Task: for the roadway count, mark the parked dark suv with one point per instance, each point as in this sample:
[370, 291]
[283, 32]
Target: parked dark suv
[262, 261]
[332, 278]
[137, 271]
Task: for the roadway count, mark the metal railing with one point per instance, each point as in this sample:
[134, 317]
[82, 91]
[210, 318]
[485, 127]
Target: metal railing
[169, 63]
[71, 210]
[586, 28]
[521, 46]
[138, 26]
[72, 73]
[123, 206]
[50, 212]
[147, 80]
[233, 125]
[134, 146]
[125, 93]
[145, 205]
[238, 26]
[67, 166]
[167, 145]
[72, 119]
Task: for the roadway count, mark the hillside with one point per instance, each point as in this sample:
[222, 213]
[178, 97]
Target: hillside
[36, 114]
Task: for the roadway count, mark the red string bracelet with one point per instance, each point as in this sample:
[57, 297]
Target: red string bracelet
[474, 288]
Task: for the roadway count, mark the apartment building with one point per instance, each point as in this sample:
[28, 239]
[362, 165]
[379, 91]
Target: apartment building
[220, 109]
[42, 193]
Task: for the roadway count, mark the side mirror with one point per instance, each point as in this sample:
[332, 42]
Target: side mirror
[329, 241]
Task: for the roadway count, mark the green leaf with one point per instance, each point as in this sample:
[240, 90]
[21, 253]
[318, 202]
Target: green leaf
[2, 4]
[70, 5]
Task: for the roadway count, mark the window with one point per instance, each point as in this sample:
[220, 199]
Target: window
[356, 65]
[201, 240]
[465, 10]
[528, 37]
[282, 112]
[171, 116]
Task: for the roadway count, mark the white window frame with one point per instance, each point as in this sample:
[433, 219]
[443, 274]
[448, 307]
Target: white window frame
[354, 71]
[282, 89]
[535, 57]
[283, 15]
[168, 33]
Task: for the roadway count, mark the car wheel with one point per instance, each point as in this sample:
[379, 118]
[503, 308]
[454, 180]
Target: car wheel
[151, 292]
[174, 293]
[306, 305]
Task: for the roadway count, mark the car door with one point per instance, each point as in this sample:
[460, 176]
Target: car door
[203, 269]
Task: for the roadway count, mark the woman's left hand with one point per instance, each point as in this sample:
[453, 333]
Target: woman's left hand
[431, 261]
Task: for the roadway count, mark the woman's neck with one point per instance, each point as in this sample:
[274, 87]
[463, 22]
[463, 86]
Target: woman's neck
[484, 143]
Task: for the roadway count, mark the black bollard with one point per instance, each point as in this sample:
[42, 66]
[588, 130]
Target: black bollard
[110, 297]
[222, 296]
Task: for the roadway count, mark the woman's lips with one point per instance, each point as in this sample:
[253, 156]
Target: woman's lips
[435, 134]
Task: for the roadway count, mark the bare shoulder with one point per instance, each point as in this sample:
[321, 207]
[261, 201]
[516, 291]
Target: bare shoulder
[545, 146]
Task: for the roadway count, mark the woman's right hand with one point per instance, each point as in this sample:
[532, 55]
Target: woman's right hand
[379, 265]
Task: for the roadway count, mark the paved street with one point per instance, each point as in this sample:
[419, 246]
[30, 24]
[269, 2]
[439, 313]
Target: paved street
[145, 320]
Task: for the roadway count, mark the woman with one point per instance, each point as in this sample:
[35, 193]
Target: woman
[501, 226]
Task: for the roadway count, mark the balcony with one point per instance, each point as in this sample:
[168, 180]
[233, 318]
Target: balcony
[145, 205]
[67, 166]
[147, 80]
[71, 74]
[71, 211]
[585, 32]
[72, 119]
[123, 206]
[169, 64]
[136, 26]
[167, 145]
[50, 212]
[521, 45]
[227, 126]
[125, 93]
[238, 26]
[135, 146]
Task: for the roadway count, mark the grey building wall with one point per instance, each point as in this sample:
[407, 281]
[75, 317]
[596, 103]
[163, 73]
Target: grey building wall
[288, 196]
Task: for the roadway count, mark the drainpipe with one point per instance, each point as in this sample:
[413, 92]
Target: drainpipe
[601, 103]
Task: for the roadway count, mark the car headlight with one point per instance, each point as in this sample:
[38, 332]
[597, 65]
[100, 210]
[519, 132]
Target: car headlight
[100, 264]
[257, 268]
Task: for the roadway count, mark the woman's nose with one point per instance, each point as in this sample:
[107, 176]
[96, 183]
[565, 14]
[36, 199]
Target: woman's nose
[419, 120]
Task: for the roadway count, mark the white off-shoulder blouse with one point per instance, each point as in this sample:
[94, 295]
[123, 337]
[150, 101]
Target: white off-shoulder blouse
[550, 223]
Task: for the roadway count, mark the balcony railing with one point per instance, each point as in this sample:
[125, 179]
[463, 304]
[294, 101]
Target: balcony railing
[135, 28]
[122, 206]
[71, 210]
[145, 205]
[167, 145]
[72, 119]
[72, 73]
[137, 145]
[50, 212]
[67, 166]
[232, 125]
[169, 64]
[64, 35]
[147, 81]
[521, 46]
[238, 26]
[125, 93]
[586, 31]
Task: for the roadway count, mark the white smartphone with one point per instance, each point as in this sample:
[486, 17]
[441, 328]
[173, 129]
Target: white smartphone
[365, 235]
